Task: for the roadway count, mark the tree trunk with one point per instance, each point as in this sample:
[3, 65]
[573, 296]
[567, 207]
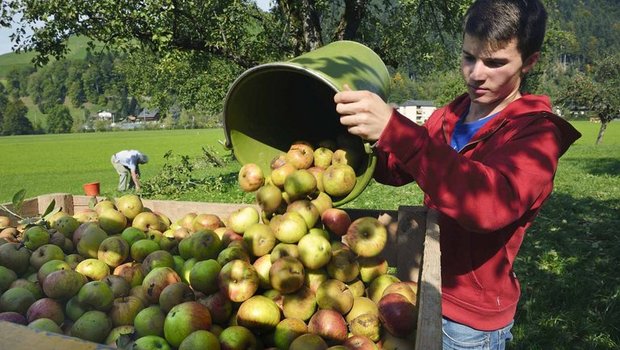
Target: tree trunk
[354, 12]
[601, 131]
[304, 24]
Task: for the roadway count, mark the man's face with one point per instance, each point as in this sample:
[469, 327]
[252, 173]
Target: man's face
[492, 75]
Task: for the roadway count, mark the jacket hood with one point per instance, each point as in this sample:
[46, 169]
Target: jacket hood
[527, 106]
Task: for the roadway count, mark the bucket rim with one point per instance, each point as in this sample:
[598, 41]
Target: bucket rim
[281, 66]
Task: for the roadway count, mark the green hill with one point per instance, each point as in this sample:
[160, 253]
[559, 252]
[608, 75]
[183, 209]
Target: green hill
[9, 61]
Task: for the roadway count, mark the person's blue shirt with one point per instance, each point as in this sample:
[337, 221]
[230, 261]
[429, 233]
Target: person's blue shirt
[463, 132]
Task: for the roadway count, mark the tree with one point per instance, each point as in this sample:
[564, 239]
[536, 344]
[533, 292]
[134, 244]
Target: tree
[600, 93]
[59, 120]
[4, 100]
[15, 121]
[184, 44]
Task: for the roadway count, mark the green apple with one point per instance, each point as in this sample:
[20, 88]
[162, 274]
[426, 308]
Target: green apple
[158, 258]
[147, 221]
[140, 249]
[96, 294]
[183, 320]
[150, 321]
[258, 313]
[339, 180]
[151, 342]
[16, 299]
[334, 295]
[239, 280]
[286, 274]
[343, 265]
[49, 267]
[112, 221]
[366, 236]
[44, 254]
[288, 330]
[7, 276]
[307, 210]
[238, 337]
[259, 239]
[200, 339]
[299, 184]
[175, 294]
[290, 228]
[124, 310]
[66, 225]
[240, 219]
[46, 325]
[92, 326]
[130, 205]
[93, 269]
[315, 251]
[15, 257]
[203, 276]
[299, 305]
[132, 235]
[35, 236]
[87, 239]
[201, 245]
[113, 251]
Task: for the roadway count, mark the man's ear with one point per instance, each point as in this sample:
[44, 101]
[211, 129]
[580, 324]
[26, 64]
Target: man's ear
[530, 62]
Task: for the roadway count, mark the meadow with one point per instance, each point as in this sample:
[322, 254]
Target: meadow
[567, 265]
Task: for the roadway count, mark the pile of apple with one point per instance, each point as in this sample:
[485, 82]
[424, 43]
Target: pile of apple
[298, 274]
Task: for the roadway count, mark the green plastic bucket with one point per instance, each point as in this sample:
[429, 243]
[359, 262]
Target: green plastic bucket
[270, 106]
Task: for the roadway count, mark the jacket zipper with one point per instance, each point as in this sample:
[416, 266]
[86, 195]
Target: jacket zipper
[484, 137]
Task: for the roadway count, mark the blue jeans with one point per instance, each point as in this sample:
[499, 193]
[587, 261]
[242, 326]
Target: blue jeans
[458, 336]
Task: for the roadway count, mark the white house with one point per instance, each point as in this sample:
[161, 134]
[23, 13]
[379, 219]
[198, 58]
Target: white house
[417, 110]
[105, 115]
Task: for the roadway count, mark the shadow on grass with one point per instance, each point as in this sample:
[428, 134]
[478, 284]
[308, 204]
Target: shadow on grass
[568, 268]
[598, 166]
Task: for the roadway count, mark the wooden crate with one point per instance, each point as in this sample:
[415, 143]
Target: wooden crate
[413, 247]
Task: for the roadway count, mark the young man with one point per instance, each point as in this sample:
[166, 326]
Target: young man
[127, 165]
[485, 162]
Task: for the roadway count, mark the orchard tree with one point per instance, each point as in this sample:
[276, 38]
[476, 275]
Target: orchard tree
[59, 120]
[187, 53]
[599, 93]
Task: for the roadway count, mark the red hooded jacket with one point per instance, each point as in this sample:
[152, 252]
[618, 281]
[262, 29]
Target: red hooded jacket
[487, 194]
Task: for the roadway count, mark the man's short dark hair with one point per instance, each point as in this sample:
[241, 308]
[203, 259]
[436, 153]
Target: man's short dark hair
[497, 22]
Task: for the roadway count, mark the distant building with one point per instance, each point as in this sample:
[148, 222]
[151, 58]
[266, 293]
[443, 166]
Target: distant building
[417, 110]
[105, 115]
[148, 115]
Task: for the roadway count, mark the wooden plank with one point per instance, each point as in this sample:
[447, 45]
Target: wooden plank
[429, 302]
[409, 246]
[18, 337]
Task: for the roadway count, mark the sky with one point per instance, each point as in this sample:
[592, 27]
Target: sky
[5, 42]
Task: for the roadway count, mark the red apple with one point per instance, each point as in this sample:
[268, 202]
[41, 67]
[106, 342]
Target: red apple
[336, 221]
[330, 325]
[397, 314]
[251, 177]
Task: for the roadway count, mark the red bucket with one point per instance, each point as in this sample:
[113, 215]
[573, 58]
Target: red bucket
[91, 189]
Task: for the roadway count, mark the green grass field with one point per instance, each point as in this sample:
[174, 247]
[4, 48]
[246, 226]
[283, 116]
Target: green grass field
[63, 163]
[567, 265]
